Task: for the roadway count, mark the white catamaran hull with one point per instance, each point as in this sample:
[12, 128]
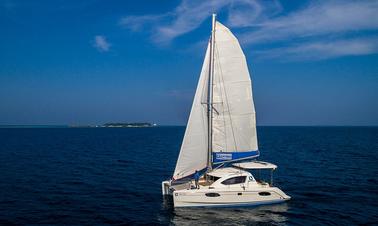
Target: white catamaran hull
[232, 187]
[230, 198]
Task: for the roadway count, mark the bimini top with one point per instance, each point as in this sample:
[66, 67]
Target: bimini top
[221, 172]
[255, 165]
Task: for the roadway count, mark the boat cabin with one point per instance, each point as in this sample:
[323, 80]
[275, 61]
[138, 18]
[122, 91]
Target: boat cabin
[237, 175]
[229, 177]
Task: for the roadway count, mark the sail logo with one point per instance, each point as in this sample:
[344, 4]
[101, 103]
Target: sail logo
[223, 156]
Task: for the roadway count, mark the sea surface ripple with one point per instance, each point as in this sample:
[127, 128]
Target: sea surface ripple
[112, 176]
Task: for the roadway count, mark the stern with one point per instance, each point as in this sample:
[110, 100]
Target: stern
[165, 188]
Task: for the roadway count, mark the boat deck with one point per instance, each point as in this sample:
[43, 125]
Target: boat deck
[203, 182]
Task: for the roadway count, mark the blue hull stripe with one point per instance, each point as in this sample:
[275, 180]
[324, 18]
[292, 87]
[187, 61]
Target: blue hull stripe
[233, 156]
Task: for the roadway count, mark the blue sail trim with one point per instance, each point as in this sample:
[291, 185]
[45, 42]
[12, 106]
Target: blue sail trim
[219, 157]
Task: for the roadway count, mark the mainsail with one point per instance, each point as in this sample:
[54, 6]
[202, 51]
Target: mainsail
[234, 123]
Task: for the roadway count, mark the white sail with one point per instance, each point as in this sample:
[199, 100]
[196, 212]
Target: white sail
[234, 122]
[193, 154]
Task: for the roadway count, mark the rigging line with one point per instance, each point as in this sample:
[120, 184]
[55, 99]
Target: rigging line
[220, 165]
[228, 107]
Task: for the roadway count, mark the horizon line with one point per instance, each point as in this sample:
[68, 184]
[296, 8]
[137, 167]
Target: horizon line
[163, 125]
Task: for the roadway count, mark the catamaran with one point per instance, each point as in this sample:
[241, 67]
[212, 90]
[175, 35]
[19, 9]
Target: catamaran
[220, 140]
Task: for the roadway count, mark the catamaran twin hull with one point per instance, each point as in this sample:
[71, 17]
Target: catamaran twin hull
[221, 128]
[228, 198]
[225, 187]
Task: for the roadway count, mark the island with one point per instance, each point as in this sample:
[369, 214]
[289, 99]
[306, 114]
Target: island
[117, 125]
[135, 124]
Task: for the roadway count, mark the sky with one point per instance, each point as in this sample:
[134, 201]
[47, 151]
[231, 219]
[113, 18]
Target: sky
[96, 61]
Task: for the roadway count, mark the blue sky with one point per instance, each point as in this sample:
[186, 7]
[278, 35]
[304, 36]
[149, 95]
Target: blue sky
[91, 62]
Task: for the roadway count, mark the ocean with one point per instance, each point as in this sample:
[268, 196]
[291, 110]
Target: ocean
[112, 176]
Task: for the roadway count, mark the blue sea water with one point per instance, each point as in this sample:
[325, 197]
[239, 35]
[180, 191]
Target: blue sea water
[112, 176]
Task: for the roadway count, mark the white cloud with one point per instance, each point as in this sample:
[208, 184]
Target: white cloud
[319, 31]
[189, 15]
[135, 23]
[250, 13]
[320, 50]
[320, 18]
[320, 26]
[101, 44]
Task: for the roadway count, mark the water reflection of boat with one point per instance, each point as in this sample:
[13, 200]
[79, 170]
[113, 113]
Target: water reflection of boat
[271, 214]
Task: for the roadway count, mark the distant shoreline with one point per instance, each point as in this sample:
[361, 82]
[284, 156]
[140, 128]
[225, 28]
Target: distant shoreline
[119, 125]
[106, 125]
[101, 126]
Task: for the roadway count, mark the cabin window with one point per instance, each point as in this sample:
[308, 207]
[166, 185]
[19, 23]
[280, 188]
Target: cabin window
[213, 178]
[234, 180]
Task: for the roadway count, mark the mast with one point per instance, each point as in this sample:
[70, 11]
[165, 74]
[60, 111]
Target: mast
[210, 97]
